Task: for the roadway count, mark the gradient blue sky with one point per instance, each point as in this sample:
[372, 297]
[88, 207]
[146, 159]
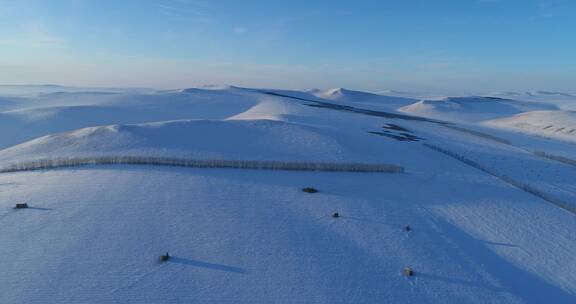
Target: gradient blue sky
[423, 45]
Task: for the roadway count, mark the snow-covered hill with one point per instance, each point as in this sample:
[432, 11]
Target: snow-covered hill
[466, 109]
[200, 139]
[363, 98]
[491, 213]
[564, 101]
[48, 114]
[557, 124]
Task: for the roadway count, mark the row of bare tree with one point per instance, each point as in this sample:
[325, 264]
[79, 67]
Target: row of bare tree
[562, 159]
[41, 164]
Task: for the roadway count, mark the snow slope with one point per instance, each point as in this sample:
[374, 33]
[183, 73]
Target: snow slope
[466, 109]
[564, 101]
[486, 223]
[363, 98]
[557, 124]
[545, 114]
[244, 237]
[46, 115]
[199, 139]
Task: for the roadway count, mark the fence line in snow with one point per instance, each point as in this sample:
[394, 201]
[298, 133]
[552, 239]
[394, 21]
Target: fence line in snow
[479, 134]
[562, 159]
[43, 164]
[517, 184]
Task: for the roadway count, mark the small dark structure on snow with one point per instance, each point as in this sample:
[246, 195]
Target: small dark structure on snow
[335, 215]
[407, 228]
[408, 271]
[310, 190]
[165, 257]
[21, 206]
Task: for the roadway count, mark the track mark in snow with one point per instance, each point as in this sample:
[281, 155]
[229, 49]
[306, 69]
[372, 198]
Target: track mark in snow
[509, 278]
[206, 265]
[137, 279]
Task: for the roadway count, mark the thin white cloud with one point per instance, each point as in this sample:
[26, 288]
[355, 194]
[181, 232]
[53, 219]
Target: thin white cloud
[33, 34]
[196, 11]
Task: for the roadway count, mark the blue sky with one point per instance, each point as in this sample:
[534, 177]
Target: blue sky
[418, 45]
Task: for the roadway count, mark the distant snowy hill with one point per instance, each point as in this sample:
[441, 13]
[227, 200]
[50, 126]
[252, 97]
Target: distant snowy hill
[8, 103]
[49, 114]
[564, 101]
[483, 212]
[557, 124]
[472, 108]
[344, 95]
[543, 94]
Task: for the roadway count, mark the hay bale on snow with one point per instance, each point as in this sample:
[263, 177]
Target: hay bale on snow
[310, 190]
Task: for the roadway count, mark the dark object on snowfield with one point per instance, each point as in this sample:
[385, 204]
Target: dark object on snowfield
[165, 257]
[408, 272]
[309, 190]
[335, 214]
[21, 206]
[407, 228]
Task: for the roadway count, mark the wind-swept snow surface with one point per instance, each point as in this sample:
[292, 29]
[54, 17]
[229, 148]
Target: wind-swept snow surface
[557, 124]
[490, 212]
